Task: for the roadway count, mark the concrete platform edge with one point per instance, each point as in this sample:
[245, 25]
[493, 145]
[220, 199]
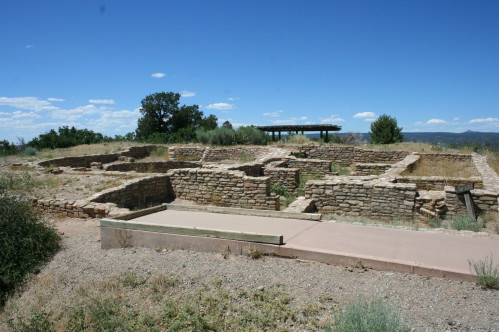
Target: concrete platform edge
[119, 238]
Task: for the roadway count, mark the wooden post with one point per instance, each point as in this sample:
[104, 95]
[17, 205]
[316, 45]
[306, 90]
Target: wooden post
[279, 135]
[273, 135]
[302, 132]
[327, 137]
[466, 191]
[321, 133]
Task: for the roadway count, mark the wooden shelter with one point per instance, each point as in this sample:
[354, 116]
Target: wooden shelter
[300, 128]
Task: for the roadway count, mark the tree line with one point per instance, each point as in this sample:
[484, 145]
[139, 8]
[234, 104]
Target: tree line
[164, 120]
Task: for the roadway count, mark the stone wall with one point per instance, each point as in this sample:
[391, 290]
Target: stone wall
[223, 188]
[446, 156]
[79, 208]
[358, 196]
[438, 182]
[187, 153]
[363, 169]
[347, 155]
[289, 178]
[250, 169]
[244, 154]
[138, 193]
[80, 161]
[311, 167]
[483, 201]
[85, 161]
[152, 166]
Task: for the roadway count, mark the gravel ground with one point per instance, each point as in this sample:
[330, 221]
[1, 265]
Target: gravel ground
[425, 304]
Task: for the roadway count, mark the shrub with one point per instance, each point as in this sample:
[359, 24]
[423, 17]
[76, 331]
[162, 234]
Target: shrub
[385, 131]
[280, 190]
[298, 139]
[30, 151]
[7, 148]
[372, 316]
[27, 241]
[250, 135]
[465, 222]
[218, 136]
[487, 272]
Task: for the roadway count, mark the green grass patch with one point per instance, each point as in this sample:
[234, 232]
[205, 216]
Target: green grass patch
[465, 222]
[340, 169]
[487, 272]
[367, 316]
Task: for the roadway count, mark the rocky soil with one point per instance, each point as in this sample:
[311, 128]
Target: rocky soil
[425, 304]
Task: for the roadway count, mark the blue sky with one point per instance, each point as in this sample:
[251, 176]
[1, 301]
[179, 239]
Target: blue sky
[434, 65]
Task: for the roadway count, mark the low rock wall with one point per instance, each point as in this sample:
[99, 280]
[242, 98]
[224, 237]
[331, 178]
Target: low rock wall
[446, 156]
[85, 161]
[152, 167]
[79, 208]
[311, 167]
[138, 193]
[355, 197]
[363, 169]
[483, 201]
[289, 178]
[438, 182]
[252, 169]
[347, 155]
[223, 188]
[241, 154]
[187, 153]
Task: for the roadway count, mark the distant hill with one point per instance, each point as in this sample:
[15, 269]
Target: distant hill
[468, 137]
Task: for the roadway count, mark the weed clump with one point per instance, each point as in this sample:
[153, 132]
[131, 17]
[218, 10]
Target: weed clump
[26, 240]
[369, 316]
[487, 272]
[465, 222]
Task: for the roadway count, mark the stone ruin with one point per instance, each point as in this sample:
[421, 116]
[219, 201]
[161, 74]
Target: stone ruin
[380, 186]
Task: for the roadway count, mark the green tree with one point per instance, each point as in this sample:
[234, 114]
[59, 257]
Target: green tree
[385, 130]
[227, 124]
[163, 118]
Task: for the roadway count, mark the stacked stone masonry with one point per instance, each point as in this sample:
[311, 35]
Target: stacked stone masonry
[79, 208]
[85, 161]
[347, 155]
[483, 201]
[311, 167]
[363, 197]
[289, 178]
[438, 182]
[152, 167]
[223, 188]
[138, 193]
[363, 169]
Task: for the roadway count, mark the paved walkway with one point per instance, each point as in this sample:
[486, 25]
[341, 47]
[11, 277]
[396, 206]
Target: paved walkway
[429, 250]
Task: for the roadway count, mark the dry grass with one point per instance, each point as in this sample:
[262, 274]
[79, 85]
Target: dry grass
[493, 160]
[426, 167]
[86, 149]
[159, 154]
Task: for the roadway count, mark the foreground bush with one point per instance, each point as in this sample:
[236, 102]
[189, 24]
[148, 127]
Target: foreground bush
[465, 222]
[487, 272]
[218, 136]
[26, 242]
[361, 315]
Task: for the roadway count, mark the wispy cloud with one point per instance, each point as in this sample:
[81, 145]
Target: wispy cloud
[28, 103]
[101, 101]
[284, 122]
[55, 99]
[274, 114]
[436, 121]
[367, 116]
[186, 93]
[332, 118]
[233, 98]
[221, 106]
[30, 46]
[158, 75]
[486, 120]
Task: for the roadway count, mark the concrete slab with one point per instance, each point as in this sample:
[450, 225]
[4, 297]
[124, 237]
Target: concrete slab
[426, 253]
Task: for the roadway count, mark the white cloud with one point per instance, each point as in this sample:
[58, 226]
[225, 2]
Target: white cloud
[233, 98]
[30, 46]
[487, 120]
[365, 115]
[55, 99]
[332, 118]
[274, 114]
[186, 93]
[24, 115]
[436, 121]
[158, 75]
[284, 122]
[455, 119]
[303, 118]
[78, 112]
[28, 103]
[221, 106]
[101, 101]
